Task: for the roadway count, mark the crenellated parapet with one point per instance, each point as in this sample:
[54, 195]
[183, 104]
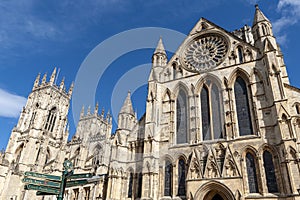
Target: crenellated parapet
[43, 83]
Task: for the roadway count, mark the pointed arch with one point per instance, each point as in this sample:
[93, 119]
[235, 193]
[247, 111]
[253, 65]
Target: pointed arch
[166, 101]
[240, 54]
[51, 119]
[205, 114]
[130, 185]
[297, 107]
[181, 117]
[97, 158]
[270, 172]
[181, 177]
[168, 178]
[211, 108]
[213, 187]
[167, 95]
[18, 153]
[76, 156]
[216, 112]
[242, 107]
[207, 79]
[238, 72]
[251, 166]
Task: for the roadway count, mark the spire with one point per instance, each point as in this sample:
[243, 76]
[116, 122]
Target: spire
[102, 112]
[259, 16]
[89, 110]
[159, 57]
[96, 109]
[71, 89]
[108, 117]
[53, 76]
[160, 47]
[44, 78]
[62, 84]
[127, 106]
[82, 112]
[37, 81]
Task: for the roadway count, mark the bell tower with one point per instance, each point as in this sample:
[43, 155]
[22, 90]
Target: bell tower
[37, 141]
[41, 129]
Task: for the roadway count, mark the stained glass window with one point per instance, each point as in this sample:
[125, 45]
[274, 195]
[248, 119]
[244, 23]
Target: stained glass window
[242, 107]
[168, 178]
[140, 185]
[216, 112]
[181, 111]
[130, 183]
[270, 172]
[49, 126]
[251, 173]
[181, 178]
[206, 135]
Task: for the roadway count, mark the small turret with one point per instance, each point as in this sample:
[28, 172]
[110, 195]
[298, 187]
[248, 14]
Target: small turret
[44, 79]
[37, 81]
[71, 89]
[262, 30]
[96, 109]
[127, 106]
[89, 110]
[52, 78]
[126, 118]
[62, 84]
[82, 112]
[159, 58]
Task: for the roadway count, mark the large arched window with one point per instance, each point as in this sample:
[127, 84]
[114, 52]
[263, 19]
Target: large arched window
[130, 185]
[242, 107]
[251, 173]
[216, 112]
[181, 117]
[168, 178]
[270, 172]
[211, 112]
[51, 118]
[181, 177]
[97, 156]
[205, 111]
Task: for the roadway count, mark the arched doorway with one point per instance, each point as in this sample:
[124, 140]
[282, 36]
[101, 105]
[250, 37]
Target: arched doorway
[214, 195]
[217, 197]
[214, 190]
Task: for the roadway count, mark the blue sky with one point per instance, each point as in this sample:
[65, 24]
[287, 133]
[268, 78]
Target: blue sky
[36, 36]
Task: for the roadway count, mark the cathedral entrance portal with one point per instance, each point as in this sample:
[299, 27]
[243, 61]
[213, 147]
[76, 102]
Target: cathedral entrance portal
[217, 197]
[214, 191]
[213, 196]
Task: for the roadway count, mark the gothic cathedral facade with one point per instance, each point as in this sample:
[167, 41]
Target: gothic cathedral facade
[222, 122]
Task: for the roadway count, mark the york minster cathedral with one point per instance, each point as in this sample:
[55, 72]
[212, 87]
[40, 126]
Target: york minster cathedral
[222, 122]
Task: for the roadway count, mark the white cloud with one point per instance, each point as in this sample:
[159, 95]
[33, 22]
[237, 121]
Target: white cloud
[290, 15]
[10, 104]
[28, 21]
